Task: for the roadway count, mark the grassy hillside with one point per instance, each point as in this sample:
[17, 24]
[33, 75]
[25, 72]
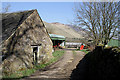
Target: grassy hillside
[61, 29]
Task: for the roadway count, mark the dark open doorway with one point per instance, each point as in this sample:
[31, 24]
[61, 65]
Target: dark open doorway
[35, 52]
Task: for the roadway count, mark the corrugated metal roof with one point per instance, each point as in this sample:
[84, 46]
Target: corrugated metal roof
[56, 36]
[115, 38]
[113, 42]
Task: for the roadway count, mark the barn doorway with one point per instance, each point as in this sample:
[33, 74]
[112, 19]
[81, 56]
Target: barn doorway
[35, 53]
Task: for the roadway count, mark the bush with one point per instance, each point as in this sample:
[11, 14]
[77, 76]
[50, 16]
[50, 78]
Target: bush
[100, 64]
[104, 64]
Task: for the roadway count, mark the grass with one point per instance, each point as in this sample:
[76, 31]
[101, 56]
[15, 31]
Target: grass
[19, 74]
[56, 56]
[84, 50]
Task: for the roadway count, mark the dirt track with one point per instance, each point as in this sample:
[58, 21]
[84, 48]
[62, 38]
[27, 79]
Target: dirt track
[61, 70]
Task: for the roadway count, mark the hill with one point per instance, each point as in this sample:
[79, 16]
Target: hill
[62, 29]
[80, 30]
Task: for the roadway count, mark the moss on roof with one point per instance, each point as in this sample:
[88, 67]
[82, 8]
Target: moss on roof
[11, 21]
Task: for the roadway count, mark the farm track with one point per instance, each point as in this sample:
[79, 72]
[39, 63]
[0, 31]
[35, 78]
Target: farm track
[61, 70]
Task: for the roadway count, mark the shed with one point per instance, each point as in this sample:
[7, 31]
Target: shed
[58, 40]
[114, 42]
[25, 41]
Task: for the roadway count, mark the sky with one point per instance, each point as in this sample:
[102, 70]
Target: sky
[62, 12]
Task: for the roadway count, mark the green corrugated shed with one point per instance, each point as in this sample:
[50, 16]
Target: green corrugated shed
[114, 42]
[57, 40]
[56, 37]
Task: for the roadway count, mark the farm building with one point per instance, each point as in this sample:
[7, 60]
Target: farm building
[57, 40]
[114, 42]
[73, 44]
[25, 41]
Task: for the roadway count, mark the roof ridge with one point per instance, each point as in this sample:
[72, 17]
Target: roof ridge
[19, 11]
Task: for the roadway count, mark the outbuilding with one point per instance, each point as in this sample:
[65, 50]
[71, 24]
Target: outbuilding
[58, 40]
[25, 41]
[114, 42]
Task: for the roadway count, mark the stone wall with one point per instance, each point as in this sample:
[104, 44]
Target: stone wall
[18, 50]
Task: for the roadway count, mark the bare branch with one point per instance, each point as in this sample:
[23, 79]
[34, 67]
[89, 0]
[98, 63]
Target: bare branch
[6, 8]
[100, 18]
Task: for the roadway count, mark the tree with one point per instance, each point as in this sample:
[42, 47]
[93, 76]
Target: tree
[6, 8]
[100, 18]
